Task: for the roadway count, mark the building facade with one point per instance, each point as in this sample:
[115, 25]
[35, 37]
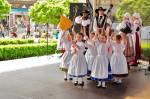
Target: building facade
[19, 12]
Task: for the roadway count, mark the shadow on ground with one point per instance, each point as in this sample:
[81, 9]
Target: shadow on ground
[47, 82]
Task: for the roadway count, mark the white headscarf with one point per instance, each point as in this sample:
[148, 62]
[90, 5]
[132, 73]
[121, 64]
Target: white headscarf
[137, 16]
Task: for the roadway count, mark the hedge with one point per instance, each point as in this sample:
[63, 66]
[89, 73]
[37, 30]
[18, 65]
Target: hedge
[22, 41]
[8, 52]
[145, 50]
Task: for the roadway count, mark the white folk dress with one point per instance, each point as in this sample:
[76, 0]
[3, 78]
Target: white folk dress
[100, 65]
[118, 61]
[78, 65]
[90, 54]
[65, 60]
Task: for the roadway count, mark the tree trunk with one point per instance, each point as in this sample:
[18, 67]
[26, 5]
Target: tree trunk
[47, 38]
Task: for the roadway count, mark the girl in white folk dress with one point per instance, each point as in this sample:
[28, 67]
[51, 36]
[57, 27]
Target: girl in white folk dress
[118, 61]
[100, 65]
[65, 60]
[78, 66]
[90, 53]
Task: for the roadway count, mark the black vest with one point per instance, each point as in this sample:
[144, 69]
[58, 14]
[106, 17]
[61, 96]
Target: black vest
[100, 21]
[127, 29]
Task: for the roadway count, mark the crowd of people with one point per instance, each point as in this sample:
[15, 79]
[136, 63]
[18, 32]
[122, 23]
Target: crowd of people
[104, 54]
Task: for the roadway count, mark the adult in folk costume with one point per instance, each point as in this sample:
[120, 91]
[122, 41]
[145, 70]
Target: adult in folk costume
[125, 28]
[101, 21]
[136, 27]
[82, 23]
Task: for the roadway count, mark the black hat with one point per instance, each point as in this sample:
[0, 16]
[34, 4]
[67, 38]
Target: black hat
[85, 11]
[100, 8]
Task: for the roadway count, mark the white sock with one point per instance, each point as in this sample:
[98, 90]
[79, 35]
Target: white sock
[99, 83]
[65, 75]
[69, 76]
[115, 80]
[103, 84]
[76, 79]
[119, 81]
[80, 79]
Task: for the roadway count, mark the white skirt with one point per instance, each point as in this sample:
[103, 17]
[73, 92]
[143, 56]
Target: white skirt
[89, 59]
[100, 68]
[78, 66]
[119, 64]
[65, 60]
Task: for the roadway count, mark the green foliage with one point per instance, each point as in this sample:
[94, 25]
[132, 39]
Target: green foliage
[49, 11]
[131, 6]
[9, 52]
[15, 41]
[145, 49]
[23, 41]
[4, 8]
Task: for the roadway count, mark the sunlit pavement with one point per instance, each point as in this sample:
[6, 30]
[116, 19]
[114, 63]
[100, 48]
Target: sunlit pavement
[43, 80]
[17, 64]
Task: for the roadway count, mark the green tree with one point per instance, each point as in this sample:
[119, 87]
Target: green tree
[4, 8]
[131, 6]
[49, 11]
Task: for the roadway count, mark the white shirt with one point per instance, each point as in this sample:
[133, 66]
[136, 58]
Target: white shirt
[79, 20]
[95, 23]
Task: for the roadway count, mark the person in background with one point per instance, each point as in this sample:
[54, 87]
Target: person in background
[82, 23]
[136, 31]
[28, 29]
[101, 21]
[2, 30]
[125, 30]
[14, 31]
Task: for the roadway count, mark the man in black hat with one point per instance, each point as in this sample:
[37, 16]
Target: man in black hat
[101, 22]
[82, 23]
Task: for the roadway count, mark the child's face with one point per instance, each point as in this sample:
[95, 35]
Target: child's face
[69, 37]
[118, 41]
[102, 38]
[79, 38]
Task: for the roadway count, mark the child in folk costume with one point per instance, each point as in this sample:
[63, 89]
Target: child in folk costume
[65, 60]
[118, 61]
[90, 53]
[100, 65]
[78, 65]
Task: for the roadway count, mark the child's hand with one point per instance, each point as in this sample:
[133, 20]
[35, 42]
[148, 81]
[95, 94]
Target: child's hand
[86, 37]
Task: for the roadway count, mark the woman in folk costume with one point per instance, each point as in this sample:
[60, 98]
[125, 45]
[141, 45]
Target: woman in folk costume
[65, 60]
[118, 61]
[101, 21]
[90, 53]
[82, 23]
[126, 32]
[137, 24]
[78, 66]
[100, 66]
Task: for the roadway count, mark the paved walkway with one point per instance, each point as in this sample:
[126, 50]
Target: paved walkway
[46, 82]
[17, 64]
